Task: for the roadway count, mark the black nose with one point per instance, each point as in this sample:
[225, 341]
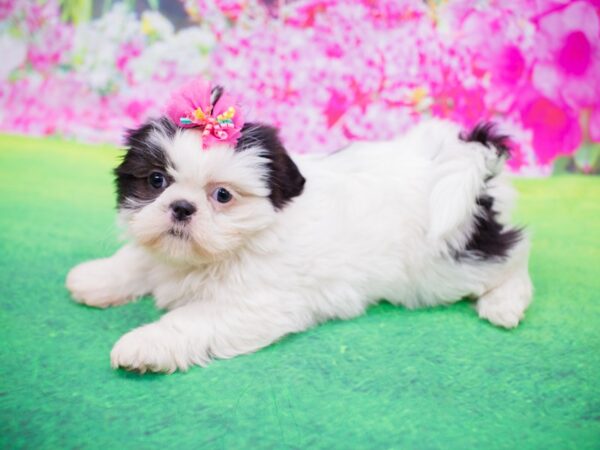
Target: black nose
[182, 209]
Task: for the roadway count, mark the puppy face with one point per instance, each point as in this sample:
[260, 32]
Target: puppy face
[197, 206]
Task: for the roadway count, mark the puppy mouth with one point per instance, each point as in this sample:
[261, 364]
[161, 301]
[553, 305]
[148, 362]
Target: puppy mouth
[178, 233]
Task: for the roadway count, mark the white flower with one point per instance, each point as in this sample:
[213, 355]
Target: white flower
[14, 53]
[156, 25]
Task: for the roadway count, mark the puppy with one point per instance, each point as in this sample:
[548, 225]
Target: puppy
[243, 244]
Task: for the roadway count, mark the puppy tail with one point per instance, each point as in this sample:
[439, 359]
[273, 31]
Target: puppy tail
[463, 166]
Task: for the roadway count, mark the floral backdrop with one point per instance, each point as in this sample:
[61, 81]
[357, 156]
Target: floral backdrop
[326, 72]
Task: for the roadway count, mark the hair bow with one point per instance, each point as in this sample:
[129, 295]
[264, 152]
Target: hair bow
[198, 104]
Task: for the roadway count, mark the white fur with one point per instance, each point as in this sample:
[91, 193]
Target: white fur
[375, 221]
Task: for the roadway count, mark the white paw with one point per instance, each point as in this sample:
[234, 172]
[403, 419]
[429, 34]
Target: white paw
[502, 314]
[92, 283]
[505, 305]
[150, 348]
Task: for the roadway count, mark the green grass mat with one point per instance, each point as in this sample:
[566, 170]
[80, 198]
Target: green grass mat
[438, 378]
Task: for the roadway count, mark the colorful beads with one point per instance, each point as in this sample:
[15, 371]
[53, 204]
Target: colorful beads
[216, 127]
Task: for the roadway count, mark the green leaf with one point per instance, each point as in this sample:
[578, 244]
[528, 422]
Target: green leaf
[106, 5]
[587, 158]
[76, 11]
[130, 4]
[561, 165]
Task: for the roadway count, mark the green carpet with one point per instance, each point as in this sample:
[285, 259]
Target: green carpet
[438, 378]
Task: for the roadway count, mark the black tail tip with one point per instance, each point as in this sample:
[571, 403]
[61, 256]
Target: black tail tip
[486, 134]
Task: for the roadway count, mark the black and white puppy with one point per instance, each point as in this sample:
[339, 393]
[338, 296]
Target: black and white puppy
[244, 244]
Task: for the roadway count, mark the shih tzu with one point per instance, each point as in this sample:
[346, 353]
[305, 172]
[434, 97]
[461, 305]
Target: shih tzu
[244, 244]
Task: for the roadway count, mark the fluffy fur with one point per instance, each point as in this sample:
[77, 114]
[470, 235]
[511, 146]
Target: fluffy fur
[419, 221]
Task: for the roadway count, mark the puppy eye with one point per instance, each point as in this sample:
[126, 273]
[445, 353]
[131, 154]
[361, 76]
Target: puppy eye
[157, 180]
[221, 195]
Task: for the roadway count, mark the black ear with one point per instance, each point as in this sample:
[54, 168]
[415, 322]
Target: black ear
[142, 145]
[285, 180]
[144, 155]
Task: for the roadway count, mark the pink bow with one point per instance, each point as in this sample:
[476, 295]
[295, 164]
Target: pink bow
[191, 107]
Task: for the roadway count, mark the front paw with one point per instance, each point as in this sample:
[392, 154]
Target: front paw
[92, 283]
[151, 348]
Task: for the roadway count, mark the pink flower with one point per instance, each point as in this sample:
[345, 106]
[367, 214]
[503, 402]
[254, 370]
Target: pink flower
[510, 65]
[567, 49]
[127, 52]
[499, 65]
[136, 109]
[452, 100]
[306, 13]
[556, 129]
[220, 14]
[6, 8]
[48, 38]
[232, 9]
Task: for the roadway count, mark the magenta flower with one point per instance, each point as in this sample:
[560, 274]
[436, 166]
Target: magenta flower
[127, 52]
[567, 49]
[136, 109]
[6, 8]
[555, 128]
[232, 9]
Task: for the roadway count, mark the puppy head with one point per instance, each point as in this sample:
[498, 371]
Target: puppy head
[197, 205]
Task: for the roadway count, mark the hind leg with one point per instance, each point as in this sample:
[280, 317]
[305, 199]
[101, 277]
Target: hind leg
[470, 205]
[507, 298]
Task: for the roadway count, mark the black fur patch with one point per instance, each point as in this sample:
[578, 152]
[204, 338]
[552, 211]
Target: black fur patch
[215, 95]
[285, 180]
[489, 239]
[485, 133]
[142, 158]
